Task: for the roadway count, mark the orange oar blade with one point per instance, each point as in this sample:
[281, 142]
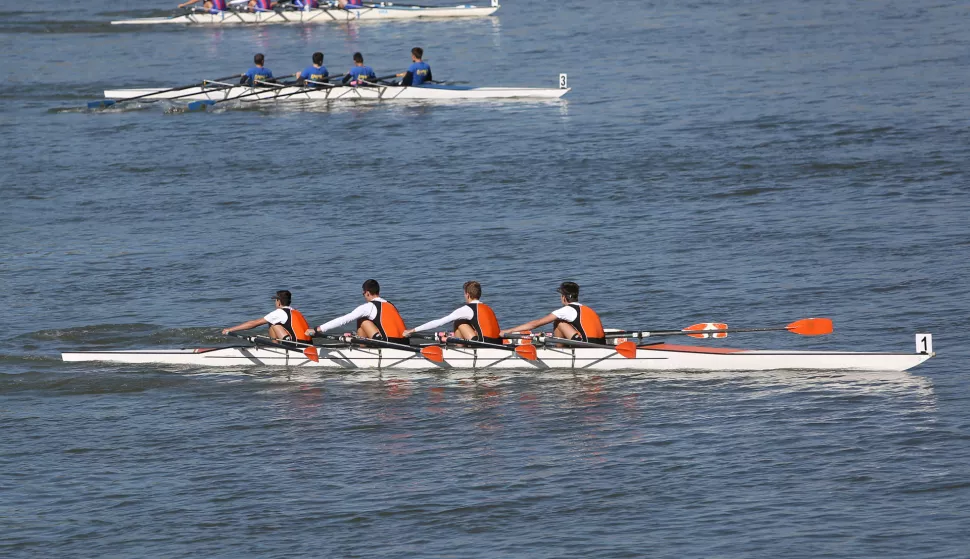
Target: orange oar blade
[311, 354]
[627, 349]
[526, 352]
[707, 326]
[811, 326]
[433, 353]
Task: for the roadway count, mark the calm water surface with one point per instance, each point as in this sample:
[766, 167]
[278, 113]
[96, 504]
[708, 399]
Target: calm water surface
[752, 163]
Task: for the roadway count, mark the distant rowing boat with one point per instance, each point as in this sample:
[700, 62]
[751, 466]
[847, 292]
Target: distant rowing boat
[226, 92]
[383, 10]
[656, 357]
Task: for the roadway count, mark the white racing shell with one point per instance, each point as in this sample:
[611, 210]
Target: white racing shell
[658, 357]
[386, 93]
[380, 11]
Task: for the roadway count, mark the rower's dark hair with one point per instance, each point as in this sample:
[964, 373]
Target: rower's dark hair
[284, 297]
[473, 289]
[358, 57]
[371, 286]
[569, 290]
[318, 58]
[418, 52]
[259, 58]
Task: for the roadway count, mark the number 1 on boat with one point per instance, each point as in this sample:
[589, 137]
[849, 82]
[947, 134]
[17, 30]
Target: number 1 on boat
[924, 343]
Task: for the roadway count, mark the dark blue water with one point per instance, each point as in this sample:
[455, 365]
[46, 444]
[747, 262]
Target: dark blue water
[752, 163]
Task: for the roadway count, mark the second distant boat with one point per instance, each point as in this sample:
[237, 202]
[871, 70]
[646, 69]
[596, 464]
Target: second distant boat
[326, 13]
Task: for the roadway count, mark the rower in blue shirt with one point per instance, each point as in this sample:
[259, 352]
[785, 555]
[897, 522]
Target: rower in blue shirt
[418, 72]
[306, 5]
[359, 71]
[257, 73]
[350, 4]
[316, 73]
[261, 5]
[211, 6]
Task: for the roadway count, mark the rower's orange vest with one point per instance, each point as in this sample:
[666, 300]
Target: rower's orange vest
[389, 321]
[484, 322]
[296, 325]
[588, 324]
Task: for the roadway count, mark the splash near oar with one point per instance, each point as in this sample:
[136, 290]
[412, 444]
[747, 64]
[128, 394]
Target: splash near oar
[202, 105]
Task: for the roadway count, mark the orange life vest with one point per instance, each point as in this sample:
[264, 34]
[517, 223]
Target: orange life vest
[588, 324]
[389, 322]
[296, 325]
[484, 322]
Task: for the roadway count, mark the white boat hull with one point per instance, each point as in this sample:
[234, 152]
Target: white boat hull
[326, 15]
[661, 357]
[383, 93]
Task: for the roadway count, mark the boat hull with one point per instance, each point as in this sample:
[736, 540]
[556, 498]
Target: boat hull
[660, 357]
[377, 93]
[311, 17]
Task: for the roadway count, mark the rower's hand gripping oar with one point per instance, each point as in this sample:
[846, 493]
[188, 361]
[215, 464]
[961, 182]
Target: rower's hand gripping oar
[309, 351]
[108, 102]
[375, 81]
[430, 352]
[803, 327]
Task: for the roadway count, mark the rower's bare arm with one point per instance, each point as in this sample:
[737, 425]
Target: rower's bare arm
[189, 3]
[246, 325]
[532, 325]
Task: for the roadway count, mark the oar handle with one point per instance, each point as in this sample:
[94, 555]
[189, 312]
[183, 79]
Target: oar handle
[267, 341]
[354, 339]
[477, 343]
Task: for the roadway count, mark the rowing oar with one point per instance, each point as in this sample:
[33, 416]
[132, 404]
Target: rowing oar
[308, 349]
[803, 327]
[108, 102]
[305, 89]
[429, 352]
[380, 79]
[701, 330]
[626, 349]
[201, 105]
[527, 352]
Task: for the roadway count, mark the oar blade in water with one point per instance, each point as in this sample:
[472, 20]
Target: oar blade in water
[527, 352]
[627, 349]
[433, 353]
[200, 105]
[101, 104]
[312, 354]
